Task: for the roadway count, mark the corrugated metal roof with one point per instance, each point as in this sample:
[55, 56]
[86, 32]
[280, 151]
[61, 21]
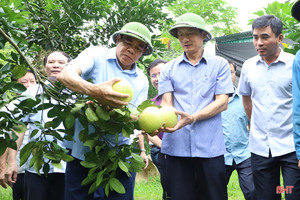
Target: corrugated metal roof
[242, 37]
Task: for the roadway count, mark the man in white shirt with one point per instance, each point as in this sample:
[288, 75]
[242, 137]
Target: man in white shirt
[266, 86]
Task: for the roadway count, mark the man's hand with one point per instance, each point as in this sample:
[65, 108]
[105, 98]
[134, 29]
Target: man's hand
[299, 164]
[145, 157]
[185, 119]
[11, 173]
[105, 95]
[3, 159]
[2, 177]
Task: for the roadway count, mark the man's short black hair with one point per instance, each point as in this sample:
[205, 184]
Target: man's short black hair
[154, 63]
[268, 20]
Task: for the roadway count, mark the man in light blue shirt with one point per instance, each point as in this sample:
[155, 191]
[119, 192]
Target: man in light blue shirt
[235, 128]
[197, 84]
[266, 86]
[105, 67]
[296, 89]
[39, 186]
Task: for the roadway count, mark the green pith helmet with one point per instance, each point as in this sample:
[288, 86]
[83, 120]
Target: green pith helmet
[136, 30]
[190, 20]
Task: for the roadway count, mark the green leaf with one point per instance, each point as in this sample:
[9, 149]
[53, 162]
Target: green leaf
[19, 128]
[93, 188]
[116, 185]
[90, 144]
[33, 133]
[77, 107]
[91, 115]
[44, 106]
[87, 180]
[100, 178]
[107, 189]
[88, 164]
[3, 146]
[67, 158]
[146, 104]
[83, 135]
[69, 121]
[46, 169]
[25, 152]
[57, 165]
[19, 71]
[122, 166]
[137, 157]
[127, 130]
[102, 114]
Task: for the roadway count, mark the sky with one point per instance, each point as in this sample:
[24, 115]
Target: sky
[246, 8]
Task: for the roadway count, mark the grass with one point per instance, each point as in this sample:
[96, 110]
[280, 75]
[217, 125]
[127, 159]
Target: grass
[5, 194]
[151, 189]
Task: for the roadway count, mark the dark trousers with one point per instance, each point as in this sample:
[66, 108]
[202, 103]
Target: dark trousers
[44, 188]
[266, 176]
[159, 161]
[196, 178]
[18, 188]
[75, 173]
[245, 178]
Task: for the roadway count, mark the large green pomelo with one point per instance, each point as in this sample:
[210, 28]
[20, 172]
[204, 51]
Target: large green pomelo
[170, 117]
[151, 119]
[123, 86]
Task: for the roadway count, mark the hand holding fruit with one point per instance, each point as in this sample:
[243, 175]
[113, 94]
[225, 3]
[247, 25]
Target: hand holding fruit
[185, 119]
[154, 120]
[107, 96]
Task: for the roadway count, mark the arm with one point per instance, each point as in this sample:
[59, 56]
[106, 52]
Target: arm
[155, 140]
[218, 105]
[143, 151]
[12, 167]
[212, 109]
[3, 169]
[70, 76]
[296, 104]
[247, 102]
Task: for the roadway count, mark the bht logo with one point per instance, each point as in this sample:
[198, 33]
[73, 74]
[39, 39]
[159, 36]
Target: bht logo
[282, 189]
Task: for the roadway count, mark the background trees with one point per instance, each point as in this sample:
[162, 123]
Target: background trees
[31, 28]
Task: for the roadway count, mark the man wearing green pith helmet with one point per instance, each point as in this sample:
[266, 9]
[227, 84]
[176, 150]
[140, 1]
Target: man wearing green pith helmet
[105, 67]
[197, 84]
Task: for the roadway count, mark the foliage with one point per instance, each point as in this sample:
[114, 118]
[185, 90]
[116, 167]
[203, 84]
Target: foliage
[291, 28]
[34, 28]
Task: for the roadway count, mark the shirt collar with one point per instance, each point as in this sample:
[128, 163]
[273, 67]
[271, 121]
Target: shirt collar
[281, 58]
[234, 95]
[112, 55]
[183, 58]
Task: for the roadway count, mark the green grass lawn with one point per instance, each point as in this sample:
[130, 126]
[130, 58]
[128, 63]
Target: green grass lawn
[151, 190]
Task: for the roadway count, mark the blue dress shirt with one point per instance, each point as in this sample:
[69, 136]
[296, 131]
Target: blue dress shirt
[193, 88]
[234, 122]
[42, 116]
[270, 88]
[296, 102]
[100, 64]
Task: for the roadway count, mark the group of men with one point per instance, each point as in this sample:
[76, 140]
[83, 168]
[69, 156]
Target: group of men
[200, 87]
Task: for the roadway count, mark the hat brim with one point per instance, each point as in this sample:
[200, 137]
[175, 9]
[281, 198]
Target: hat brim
[173, 30]
[149, 48]
[296, 10]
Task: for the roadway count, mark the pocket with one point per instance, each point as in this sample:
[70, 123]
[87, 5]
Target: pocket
[207, 89]
[282, 87]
